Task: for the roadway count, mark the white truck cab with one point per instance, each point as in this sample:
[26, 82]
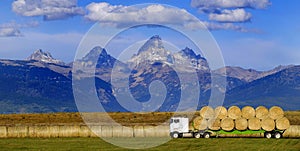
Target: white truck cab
[178, 126]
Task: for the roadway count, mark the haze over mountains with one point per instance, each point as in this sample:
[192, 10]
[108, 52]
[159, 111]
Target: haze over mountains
[42, 83]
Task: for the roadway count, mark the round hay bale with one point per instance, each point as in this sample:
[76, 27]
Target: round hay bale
[234, 112]
[254, 123]
[227, 124]
[276, 112]
[268, 124]
[191, 127]
[292, 131]
[248, 112]
[261, 112]
[200, 123]
[241, 124]
[282, 123]
[214, 124]
[207, 112]
[220, 112]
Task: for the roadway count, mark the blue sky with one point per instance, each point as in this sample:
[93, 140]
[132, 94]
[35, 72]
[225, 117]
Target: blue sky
[259, 34]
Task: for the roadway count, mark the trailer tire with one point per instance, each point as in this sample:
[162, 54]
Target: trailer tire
[197, 135]
[277, 135]
[268, 135]
[175, 135]
[206, 135]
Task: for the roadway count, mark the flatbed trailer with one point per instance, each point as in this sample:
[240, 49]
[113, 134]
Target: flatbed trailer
[179, 127]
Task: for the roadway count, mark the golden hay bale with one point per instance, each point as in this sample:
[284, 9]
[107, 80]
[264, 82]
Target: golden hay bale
[84, 131]
[162, 131]
[214, 124]
[3, 131]
[276, 112]
[227, 124]
[117, 131]
[292, 131]
[254, 124]
[261, 112]
[248, 112]
[241, 124]
[191, 127]
[96, 130]
[106, 131]
[268, 124]
[40, 131]
[200, 123]
[234, 112]
[17, 131]
[207, 112]
[69, 131]
[127, 131]
[138, 131]
[282, 123]
[220, 112]
[54, 131]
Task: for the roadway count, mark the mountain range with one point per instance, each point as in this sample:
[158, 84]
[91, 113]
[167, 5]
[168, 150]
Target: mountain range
[42, 83]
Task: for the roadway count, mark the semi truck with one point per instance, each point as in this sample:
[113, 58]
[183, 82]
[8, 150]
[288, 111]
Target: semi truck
[179, 128]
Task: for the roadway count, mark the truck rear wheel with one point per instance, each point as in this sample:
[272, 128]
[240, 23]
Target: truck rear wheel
[197, 135]
[268, 135]
[277, 135]
[175, 135]
[206, 135]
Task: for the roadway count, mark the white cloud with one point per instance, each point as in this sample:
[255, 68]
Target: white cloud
[10, 32]
[256, 4]
[228, 26]
[229, 10]
[12, 29]
[119, 16]
[49, 9]
[236, 15]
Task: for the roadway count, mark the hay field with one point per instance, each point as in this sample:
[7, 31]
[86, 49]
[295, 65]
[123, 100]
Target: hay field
[152, 118]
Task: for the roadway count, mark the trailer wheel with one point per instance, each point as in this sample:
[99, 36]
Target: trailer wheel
[277, 135]
[268, 135]
[197, 135]
[206, 135]
[175, 135]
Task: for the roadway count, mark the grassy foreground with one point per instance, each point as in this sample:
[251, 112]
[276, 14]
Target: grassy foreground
[174, 145]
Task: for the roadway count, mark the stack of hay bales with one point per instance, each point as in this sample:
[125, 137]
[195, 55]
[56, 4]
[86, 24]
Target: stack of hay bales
[246, 118]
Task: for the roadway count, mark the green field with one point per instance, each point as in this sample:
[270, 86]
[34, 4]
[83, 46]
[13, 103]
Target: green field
[185, 144]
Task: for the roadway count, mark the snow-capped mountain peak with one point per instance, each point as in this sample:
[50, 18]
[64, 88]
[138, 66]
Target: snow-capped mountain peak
[155, 42]
[152, 51]
[188, 53]
[40, 55]
[94, 54]
[99, 57]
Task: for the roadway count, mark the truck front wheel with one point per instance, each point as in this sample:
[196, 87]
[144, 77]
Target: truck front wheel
[175, 135]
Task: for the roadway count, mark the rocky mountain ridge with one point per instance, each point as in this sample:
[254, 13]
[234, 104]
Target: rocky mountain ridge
[44, 84]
